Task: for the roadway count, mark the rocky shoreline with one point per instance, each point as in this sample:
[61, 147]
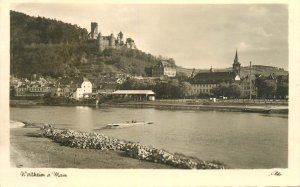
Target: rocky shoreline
[84, 140]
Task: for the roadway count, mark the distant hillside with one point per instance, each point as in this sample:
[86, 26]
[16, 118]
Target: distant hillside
[263, 70]
[49, 47]
[256, 69]
[26, 29]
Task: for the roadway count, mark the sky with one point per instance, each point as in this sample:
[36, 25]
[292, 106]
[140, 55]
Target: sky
[194, 35]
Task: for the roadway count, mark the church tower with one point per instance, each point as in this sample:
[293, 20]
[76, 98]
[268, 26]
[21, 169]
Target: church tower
[236, 66]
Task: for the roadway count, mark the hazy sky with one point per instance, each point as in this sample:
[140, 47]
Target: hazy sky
[194, 35]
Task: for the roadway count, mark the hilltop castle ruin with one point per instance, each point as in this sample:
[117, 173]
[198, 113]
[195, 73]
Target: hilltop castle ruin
[101, 42]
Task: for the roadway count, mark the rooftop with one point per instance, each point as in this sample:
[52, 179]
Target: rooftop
[133, 92]
[214, 77]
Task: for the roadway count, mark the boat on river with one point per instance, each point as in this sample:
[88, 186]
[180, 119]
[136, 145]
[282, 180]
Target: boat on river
[128, 124]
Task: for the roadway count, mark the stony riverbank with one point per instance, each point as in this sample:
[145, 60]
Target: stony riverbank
[98, 141]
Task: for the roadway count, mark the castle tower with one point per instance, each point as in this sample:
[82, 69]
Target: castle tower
[112, 40]
[100, 42]
[120, 38]
[94, 30]
[236, 66]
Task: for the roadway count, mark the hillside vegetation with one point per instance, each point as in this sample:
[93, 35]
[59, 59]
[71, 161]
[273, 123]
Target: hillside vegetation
[50, 47]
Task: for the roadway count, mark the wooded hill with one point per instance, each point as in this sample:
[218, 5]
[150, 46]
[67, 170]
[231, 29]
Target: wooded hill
[49, 47]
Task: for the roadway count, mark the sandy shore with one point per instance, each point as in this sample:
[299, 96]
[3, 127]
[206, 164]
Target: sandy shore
[29, 150]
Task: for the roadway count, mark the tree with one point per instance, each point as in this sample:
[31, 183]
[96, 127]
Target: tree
[182, 77]
[228, 90]
[221, 90]
[282, 90]
[148, 71]
[266, 88]
[185, 88]
[134, 84]
[234, 90]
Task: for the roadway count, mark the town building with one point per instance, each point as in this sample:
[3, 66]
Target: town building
[138, 95]
[100, 42]
[38, 90]
[21, 90]
[245, 86]
[25, 88]
[204, 82]
[73, 87]
[163, 68]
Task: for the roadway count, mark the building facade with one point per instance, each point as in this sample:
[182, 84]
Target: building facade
[163, 68]
[245, 86]
[204, 82]
[73, 87]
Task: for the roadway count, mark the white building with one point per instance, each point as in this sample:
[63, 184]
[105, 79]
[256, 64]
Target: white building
[163, 68]
[84, 88]
[75, 87]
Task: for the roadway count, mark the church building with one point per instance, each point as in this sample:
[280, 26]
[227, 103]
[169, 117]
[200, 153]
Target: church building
[204, 82]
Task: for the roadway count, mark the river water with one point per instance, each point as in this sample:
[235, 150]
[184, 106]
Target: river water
[239, 140]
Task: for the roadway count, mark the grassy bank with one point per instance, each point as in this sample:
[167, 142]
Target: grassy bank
[30, 150]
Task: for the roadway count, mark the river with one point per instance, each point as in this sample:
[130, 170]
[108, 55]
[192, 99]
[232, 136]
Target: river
[239, 140]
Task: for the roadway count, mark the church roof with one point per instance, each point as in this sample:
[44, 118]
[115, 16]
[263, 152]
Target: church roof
[213, 77]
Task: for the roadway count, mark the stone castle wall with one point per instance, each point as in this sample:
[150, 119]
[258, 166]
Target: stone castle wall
[99, 42]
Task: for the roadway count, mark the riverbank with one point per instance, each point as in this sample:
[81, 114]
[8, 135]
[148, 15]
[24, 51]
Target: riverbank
[219, 106]
[93, 140]
[28, 149]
